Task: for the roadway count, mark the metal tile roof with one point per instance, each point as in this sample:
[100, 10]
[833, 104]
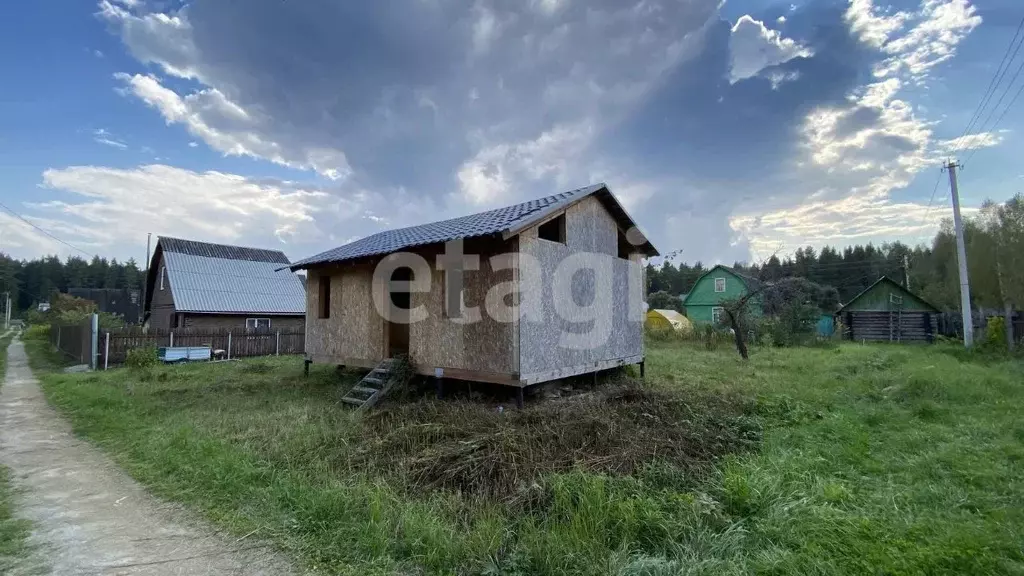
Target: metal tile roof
[232, 286]
[195, 248]
[481, 224]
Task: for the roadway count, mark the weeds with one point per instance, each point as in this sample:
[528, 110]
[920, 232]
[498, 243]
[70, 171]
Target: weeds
[472, 448]
[856, 460]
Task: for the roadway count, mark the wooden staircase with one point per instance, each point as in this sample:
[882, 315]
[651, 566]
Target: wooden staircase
[372, 387]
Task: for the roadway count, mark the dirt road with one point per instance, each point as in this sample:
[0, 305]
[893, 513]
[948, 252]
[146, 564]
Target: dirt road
[88, 516]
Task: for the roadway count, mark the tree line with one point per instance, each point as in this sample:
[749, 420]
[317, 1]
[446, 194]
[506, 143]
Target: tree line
[34, 281]
[995, 253]
[994, 241]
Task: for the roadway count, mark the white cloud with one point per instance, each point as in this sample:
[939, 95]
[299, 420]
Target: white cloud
[937, 28]
[501, 173]
[754, 47]
[856, 154]
[226, 127]
[970, 142]
[871, 25]
[109, 210]
[780, 20]
[102, 136]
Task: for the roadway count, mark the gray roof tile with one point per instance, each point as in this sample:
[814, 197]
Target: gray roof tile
[208, 284]
[474, 225]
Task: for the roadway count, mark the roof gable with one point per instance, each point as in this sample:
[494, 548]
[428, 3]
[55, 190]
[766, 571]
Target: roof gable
[886, 280]
[748, 282]
[506, 221]
[216, 278]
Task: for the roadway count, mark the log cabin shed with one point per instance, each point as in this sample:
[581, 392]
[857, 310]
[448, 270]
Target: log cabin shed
[888, 312]
[194, 284]
[344, 327]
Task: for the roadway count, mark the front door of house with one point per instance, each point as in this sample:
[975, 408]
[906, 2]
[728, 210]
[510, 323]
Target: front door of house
[397, 327]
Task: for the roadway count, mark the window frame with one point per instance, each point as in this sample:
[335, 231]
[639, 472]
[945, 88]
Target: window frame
[716, 314]
[163, 272]
[717, 278]
[559, 223]
[256, 323]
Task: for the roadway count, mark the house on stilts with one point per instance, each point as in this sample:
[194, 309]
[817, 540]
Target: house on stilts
[517, 296]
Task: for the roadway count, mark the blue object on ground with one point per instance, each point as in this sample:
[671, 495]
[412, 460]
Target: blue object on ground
[183, 353]
[826, 325]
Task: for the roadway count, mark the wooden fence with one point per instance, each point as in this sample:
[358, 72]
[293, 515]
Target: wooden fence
[114, 345]
[73, 340]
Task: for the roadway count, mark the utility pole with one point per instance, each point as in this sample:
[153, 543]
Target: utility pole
[145, 282]
[7, 310]
[906, 272]
[961, 254]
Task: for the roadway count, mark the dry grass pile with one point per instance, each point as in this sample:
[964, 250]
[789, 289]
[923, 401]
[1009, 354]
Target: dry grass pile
[473, 448]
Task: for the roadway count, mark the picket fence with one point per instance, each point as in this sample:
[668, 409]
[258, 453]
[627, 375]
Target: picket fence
[103, 348]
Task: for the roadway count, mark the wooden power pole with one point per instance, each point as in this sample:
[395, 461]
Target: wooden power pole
[961, 256]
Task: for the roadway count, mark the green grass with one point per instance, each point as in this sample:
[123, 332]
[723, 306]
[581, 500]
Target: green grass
[870, 459]
[13, 532]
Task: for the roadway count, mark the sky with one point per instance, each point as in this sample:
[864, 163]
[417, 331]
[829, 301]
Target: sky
[731, 130]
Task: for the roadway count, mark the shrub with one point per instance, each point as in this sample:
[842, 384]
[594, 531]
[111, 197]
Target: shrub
[995, 333]
[140, 358]
[37, 332]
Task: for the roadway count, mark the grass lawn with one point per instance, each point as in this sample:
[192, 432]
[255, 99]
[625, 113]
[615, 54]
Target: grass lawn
[13, 532]
[860, 459]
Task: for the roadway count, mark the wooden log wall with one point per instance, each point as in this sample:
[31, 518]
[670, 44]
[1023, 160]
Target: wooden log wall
[894, 327]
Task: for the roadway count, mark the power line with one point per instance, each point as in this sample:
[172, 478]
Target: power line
[26, 221]
[1000, 119]
[994, 83]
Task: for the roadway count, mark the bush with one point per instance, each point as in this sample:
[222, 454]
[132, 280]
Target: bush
[37, 332]
[995, 333]
[140, 358]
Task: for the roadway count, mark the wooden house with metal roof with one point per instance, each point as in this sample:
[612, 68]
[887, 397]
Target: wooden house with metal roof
[548, 329]
[888, 312]
[215, 286]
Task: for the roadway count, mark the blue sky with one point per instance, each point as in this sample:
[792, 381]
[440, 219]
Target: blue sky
[730, 130]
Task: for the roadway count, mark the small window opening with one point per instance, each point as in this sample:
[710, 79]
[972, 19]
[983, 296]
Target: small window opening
[325, 297]
[453, 281]
[719, 284]
[163, 272]
[401, 299]
[625, 248]
[553, 230]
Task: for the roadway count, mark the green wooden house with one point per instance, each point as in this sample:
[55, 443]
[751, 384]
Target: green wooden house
[888, 312]
[721, 283]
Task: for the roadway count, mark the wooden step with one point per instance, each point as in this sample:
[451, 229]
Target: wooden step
[353, 401]
[361, 390]
[379, 371]
[370, 380]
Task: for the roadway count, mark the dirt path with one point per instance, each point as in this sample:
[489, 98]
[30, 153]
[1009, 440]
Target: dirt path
[88, 516]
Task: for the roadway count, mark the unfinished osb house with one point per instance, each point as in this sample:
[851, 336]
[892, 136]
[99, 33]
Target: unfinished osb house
[539, 336]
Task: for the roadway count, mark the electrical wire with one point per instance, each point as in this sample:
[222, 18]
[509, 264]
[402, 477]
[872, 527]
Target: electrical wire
[994, 83]
[26, 221]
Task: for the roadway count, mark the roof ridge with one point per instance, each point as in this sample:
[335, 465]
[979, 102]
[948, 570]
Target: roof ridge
[175, 238]
[487, 222]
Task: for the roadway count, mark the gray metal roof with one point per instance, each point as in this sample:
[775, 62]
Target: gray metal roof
[497, 221]
[230, 286]
[196, 248]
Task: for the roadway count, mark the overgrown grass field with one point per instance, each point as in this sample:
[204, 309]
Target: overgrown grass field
[858, 459]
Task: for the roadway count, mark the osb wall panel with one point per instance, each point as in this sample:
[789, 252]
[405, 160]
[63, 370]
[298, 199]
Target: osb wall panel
[443, 342]
[588, 229]
[354, 329]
